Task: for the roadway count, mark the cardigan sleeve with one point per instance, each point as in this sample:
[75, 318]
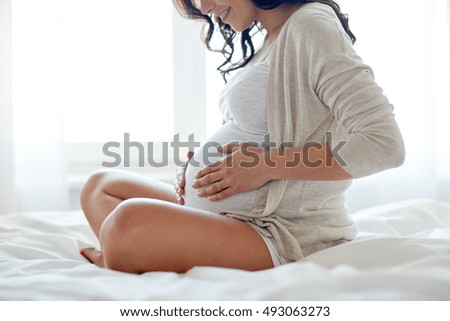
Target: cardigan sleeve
[366, 127]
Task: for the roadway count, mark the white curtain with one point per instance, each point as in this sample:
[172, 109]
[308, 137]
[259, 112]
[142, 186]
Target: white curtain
[39, 169]
[405, 41]
[7, 201]
[67, 87]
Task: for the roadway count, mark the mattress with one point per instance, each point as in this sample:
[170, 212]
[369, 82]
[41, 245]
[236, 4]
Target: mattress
[402, 252]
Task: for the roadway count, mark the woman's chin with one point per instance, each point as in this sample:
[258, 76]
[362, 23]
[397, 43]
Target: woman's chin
[237, 27]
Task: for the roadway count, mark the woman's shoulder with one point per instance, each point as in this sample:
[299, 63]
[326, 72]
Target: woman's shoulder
[311, 19]
[314, 23]
[312, 12]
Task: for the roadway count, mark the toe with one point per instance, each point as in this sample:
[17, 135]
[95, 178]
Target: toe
[94, 256]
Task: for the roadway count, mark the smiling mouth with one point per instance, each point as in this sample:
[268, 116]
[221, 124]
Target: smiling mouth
[223, 14]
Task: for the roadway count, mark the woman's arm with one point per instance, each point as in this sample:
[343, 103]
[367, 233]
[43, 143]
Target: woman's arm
[247, 168]
[315, 162]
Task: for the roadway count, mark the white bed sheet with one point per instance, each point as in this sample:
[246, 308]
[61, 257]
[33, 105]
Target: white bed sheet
[401, 253]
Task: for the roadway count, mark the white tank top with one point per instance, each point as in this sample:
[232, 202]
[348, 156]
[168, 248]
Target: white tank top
[243, 106]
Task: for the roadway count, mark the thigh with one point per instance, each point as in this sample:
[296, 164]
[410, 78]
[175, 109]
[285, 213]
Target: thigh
[106, 189]
[125, 185]
[145, 235]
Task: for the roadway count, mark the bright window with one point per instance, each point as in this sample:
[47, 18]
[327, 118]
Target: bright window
[116, 69]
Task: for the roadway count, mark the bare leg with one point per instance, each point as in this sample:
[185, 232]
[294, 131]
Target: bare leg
[108, 188]
[141, 228]
[144, 235]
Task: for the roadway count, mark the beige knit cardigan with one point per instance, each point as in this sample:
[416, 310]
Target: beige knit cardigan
[318, 84]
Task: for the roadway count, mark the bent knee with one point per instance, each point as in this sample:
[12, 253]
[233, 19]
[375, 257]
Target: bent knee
[118, 234]
[128, 215]
[98, 179]
[114, 236]
[122, 218]
[96, 183]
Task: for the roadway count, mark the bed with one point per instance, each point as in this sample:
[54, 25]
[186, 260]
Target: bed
[401, 253]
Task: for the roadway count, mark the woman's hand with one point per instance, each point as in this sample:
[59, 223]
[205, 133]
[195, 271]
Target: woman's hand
[243, 170]
[180, 181]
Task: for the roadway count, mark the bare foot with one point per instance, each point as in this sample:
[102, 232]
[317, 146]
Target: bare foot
[94, 256]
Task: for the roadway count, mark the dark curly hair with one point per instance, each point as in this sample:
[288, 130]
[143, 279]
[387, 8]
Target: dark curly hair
[188, 10]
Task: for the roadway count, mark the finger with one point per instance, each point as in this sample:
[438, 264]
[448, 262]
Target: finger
[181, 180]
[179, 186]
[178, 189]
[180, 172]
[227, 192]
[211, 190]
[209, 169]
[207, 180]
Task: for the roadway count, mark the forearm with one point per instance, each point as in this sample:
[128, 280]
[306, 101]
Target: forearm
[315, 162]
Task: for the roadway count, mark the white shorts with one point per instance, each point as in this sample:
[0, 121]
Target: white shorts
[277, 259]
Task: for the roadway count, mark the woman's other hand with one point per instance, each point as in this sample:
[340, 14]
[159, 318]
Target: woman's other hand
[244, 169]
[180, 180]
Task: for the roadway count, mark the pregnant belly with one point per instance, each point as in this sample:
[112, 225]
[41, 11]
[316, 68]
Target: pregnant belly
[205, 156]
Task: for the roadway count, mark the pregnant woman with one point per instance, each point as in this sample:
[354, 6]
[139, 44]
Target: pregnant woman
[319, 121]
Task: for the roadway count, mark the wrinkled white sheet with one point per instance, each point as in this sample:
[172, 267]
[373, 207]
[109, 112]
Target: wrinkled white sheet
[401, 253]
